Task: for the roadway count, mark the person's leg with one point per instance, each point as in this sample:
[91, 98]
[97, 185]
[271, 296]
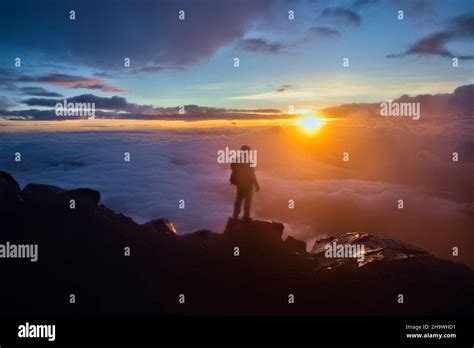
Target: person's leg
[247, 202]
[238, 203]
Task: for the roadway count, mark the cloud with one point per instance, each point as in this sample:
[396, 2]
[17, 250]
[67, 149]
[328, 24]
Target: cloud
[72, 81]
[456, 104]
[322, 31]
[175, 165]
[342, 14]
[156, 68]
[361, 3]
[28, 114]
[283, 88]
[119, 107]
[411, 7]
[431, 45]
[148, 32]
[434, 44]
[463, 26]
[109, 103]
[5, 103]
[460, 103]
[370, 207]
[261, 45]
[58, 79]
[390, 163]
[39, 92]
[416, 7]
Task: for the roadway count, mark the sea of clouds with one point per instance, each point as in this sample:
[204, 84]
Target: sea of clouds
[168, 165]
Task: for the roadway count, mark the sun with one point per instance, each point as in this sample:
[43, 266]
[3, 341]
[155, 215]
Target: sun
[310, 123]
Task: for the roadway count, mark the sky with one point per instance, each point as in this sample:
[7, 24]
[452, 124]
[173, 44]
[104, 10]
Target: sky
[190, 62]
[282, 62]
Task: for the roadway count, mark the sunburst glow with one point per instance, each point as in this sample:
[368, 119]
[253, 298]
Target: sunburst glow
[310, 123]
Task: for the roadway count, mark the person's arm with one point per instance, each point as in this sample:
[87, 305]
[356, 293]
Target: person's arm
[255, 182]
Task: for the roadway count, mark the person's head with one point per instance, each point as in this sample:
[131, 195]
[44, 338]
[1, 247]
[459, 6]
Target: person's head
[245, 148]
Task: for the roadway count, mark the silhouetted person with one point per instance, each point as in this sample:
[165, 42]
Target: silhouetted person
[243, 177]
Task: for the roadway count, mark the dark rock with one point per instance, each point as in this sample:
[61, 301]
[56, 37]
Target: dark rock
[86, 252]
[55, 197]
[8, 182]
[293, 245]
[85, 198]
[10, 193]
[263, 233]
[375, 249]
[161, 227]
[39, 192]
[205, 239]
[44, 199]
[200, 235]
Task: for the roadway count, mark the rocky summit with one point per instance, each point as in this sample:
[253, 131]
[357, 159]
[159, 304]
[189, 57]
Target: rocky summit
[115, 266]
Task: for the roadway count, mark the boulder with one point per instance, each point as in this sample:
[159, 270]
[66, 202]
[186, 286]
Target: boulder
[293, 245]
[39, 192]
[161, 227]
[373, 250]
[55, 197]
[85, 198]
[201, 235]
[10, 193]
[267, 234]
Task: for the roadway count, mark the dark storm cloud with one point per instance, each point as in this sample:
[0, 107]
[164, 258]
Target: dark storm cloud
[460, 28]
[146, 31]
[261, 45]
[119, 107]
[39, 92]
[113, 103]
[433, 44]
[343, 14]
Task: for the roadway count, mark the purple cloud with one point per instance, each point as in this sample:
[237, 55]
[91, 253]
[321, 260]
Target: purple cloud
[39, 92]
[342, 14]
[58, 79]
[460, 28]
[261, 45]
[119, 107]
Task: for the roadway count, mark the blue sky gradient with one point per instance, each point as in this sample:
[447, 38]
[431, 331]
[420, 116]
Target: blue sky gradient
[282, 62]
